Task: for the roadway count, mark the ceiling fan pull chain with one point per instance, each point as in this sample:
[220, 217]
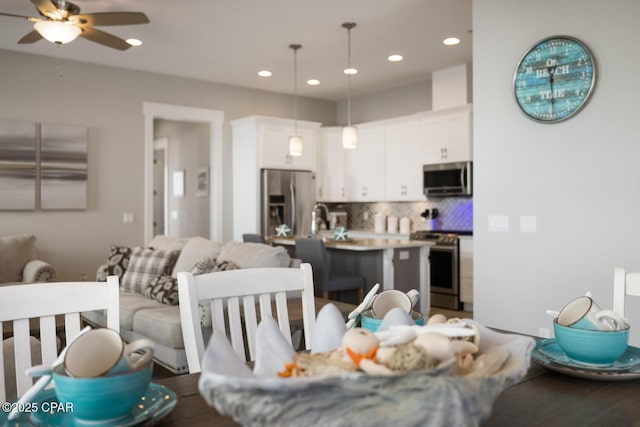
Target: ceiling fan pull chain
[58, 67]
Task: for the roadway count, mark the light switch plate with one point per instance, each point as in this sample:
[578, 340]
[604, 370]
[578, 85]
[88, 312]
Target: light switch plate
[528, 224]
[499, 223]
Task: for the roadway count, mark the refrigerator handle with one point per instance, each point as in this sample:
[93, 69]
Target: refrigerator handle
[292, 189]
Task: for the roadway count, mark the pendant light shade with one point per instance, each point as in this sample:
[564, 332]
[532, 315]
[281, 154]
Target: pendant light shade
[57, 31]
[295, 141]
[349, 133]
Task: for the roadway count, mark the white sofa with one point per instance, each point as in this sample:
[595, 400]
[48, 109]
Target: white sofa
[143, 315]
[19, 261]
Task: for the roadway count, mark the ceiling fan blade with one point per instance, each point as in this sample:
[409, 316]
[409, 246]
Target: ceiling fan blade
[45, 6]
[28, 18]
[103, 38]
[31, 37]
[111, 18]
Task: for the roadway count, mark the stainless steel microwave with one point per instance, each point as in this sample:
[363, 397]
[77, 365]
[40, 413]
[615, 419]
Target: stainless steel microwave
[447, 179]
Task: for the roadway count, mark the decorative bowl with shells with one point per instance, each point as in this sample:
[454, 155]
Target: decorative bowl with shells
[457, 390]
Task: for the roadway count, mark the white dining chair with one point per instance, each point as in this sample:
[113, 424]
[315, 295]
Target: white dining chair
[624, 284]
[244, 288]
[42, 302]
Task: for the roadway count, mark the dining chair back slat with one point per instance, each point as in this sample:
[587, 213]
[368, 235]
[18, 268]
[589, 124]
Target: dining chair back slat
[31, 311]
[269, 285]
[624, 284]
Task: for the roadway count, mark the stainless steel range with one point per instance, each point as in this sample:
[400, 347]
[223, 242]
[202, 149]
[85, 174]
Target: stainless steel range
[444, 268]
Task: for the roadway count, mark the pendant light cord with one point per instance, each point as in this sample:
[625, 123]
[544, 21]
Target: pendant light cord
[349, 77]
[295, 48]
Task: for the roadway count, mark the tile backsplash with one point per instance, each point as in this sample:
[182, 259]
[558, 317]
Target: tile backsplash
[454, 213]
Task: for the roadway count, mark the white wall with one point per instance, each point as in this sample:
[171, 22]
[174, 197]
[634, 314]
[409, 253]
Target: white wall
[396, 102]
[580, 178]
[109, 101]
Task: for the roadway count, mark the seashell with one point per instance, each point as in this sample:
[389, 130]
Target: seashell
[220, 358]
[436, 319]
[359, 340]
[437, 346]
[328, 330]
[273, 351]
[395, 317]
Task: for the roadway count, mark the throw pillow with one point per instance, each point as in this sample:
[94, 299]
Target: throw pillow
[209, 265]
[194, 250]
[163, 289]
[118, 261]
[254, 255]
[145, 264]
[15, 252]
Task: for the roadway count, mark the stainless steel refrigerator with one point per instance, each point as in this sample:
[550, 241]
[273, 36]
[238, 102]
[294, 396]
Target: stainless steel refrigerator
[288, 197]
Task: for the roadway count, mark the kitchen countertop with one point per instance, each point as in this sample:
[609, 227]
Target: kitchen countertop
[357, 244]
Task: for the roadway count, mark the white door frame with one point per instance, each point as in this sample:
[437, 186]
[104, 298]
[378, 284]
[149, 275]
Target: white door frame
[163, 144]
[215, 118]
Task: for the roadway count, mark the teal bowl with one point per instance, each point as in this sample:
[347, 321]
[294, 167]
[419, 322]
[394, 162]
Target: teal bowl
[102, 399]
[370, 323]
[589, 347]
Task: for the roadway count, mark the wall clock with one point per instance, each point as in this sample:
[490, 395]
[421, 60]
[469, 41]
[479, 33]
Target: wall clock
[554, 79]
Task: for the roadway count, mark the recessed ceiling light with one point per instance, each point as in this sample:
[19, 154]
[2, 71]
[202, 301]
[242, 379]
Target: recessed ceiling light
[313, 82]
[264, 73]
[451, 41]
[395, 58]
[134, 42]
[351, 71]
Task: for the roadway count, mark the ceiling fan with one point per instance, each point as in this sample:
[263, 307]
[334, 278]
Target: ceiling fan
[61, 22]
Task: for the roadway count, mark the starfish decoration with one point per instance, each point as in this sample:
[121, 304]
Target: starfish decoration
[340, 233]
[283, 230]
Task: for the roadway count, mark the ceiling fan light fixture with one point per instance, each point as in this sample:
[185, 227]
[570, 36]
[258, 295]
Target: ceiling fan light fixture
[134, 42]
[57, 31]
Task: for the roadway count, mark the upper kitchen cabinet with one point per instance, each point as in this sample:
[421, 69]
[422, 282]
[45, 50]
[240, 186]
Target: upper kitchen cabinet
[330, 183]
[364, 169]
[266, 139]
[404, 141]
[448, 135]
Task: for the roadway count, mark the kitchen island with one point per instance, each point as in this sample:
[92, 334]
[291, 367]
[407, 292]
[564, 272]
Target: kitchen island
[395, 264]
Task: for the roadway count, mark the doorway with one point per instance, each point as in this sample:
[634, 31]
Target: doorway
[160, 186]
[215, 120]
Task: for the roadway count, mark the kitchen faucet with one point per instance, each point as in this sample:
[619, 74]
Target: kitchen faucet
[314, 223]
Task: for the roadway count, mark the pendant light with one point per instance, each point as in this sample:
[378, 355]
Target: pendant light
[295, 141]
[349, 133]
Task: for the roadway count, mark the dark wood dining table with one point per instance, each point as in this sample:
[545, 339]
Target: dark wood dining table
[541, 398]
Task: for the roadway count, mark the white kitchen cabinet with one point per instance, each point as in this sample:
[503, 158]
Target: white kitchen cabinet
[364, 172]
[448, 135]
[466, 269]
[330, 183]
[404, 143]
[263, 143]
[269, 137]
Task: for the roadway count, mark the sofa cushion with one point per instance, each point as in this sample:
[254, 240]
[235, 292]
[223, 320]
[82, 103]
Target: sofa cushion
[118, 261]
[8, 350]
[145, 264]
[163, 289]
[195, 250]
[161, 325]
[15, 252]
[168, 243]
[254, 255]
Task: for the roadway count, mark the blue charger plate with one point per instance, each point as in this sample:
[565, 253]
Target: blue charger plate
[549, 354]
[156, 403]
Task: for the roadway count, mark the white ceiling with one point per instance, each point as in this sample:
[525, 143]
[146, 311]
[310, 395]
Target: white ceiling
[229, 41]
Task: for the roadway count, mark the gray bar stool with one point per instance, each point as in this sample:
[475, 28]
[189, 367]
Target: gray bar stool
[253, 238]
[315, 253]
